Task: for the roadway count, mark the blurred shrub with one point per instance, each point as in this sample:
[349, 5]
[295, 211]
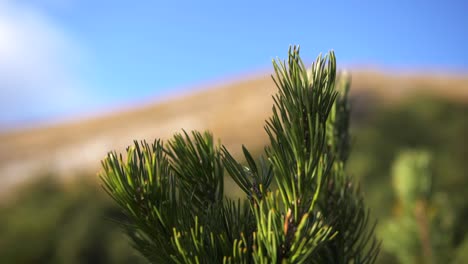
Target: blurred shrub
[421, 230]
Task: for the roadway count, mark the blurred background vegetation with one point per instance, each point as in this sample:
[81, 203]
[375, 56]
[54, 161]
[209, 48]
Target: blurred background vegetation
[438, 127]
[52, 221]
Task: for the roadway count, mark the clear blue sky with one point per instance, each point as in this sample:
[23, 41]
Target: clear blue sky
[69, 57]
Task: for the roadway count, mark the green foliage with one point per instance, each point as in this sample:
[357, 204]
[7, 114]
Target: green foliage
[412, 178]
[173, 193]
[51, 223]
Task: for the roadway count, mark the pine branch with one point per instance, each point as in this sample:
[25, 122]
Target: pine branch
[343, 203]
[198, 168]
[144, 187]
[174, 196]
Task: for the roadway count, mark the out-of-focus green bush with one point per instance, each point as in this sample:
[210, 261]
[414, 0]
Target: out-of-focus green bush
[432, 124]
[421, 230]
[48, 222]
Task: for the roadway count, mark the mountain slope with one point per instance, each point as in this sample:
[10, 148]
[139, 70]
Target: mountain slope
[234, 112]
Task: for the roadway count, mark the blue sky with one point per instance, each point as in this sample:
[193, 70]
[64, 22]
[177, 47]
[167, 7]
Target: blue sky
[61, 58]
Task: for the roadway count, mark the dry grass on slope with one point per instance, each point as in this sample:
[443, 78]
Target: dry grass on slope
[234, 112]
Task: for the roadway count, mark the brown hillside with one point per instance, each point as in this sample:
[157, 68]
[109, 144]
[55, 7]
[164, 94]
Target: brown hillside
[234, 112]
